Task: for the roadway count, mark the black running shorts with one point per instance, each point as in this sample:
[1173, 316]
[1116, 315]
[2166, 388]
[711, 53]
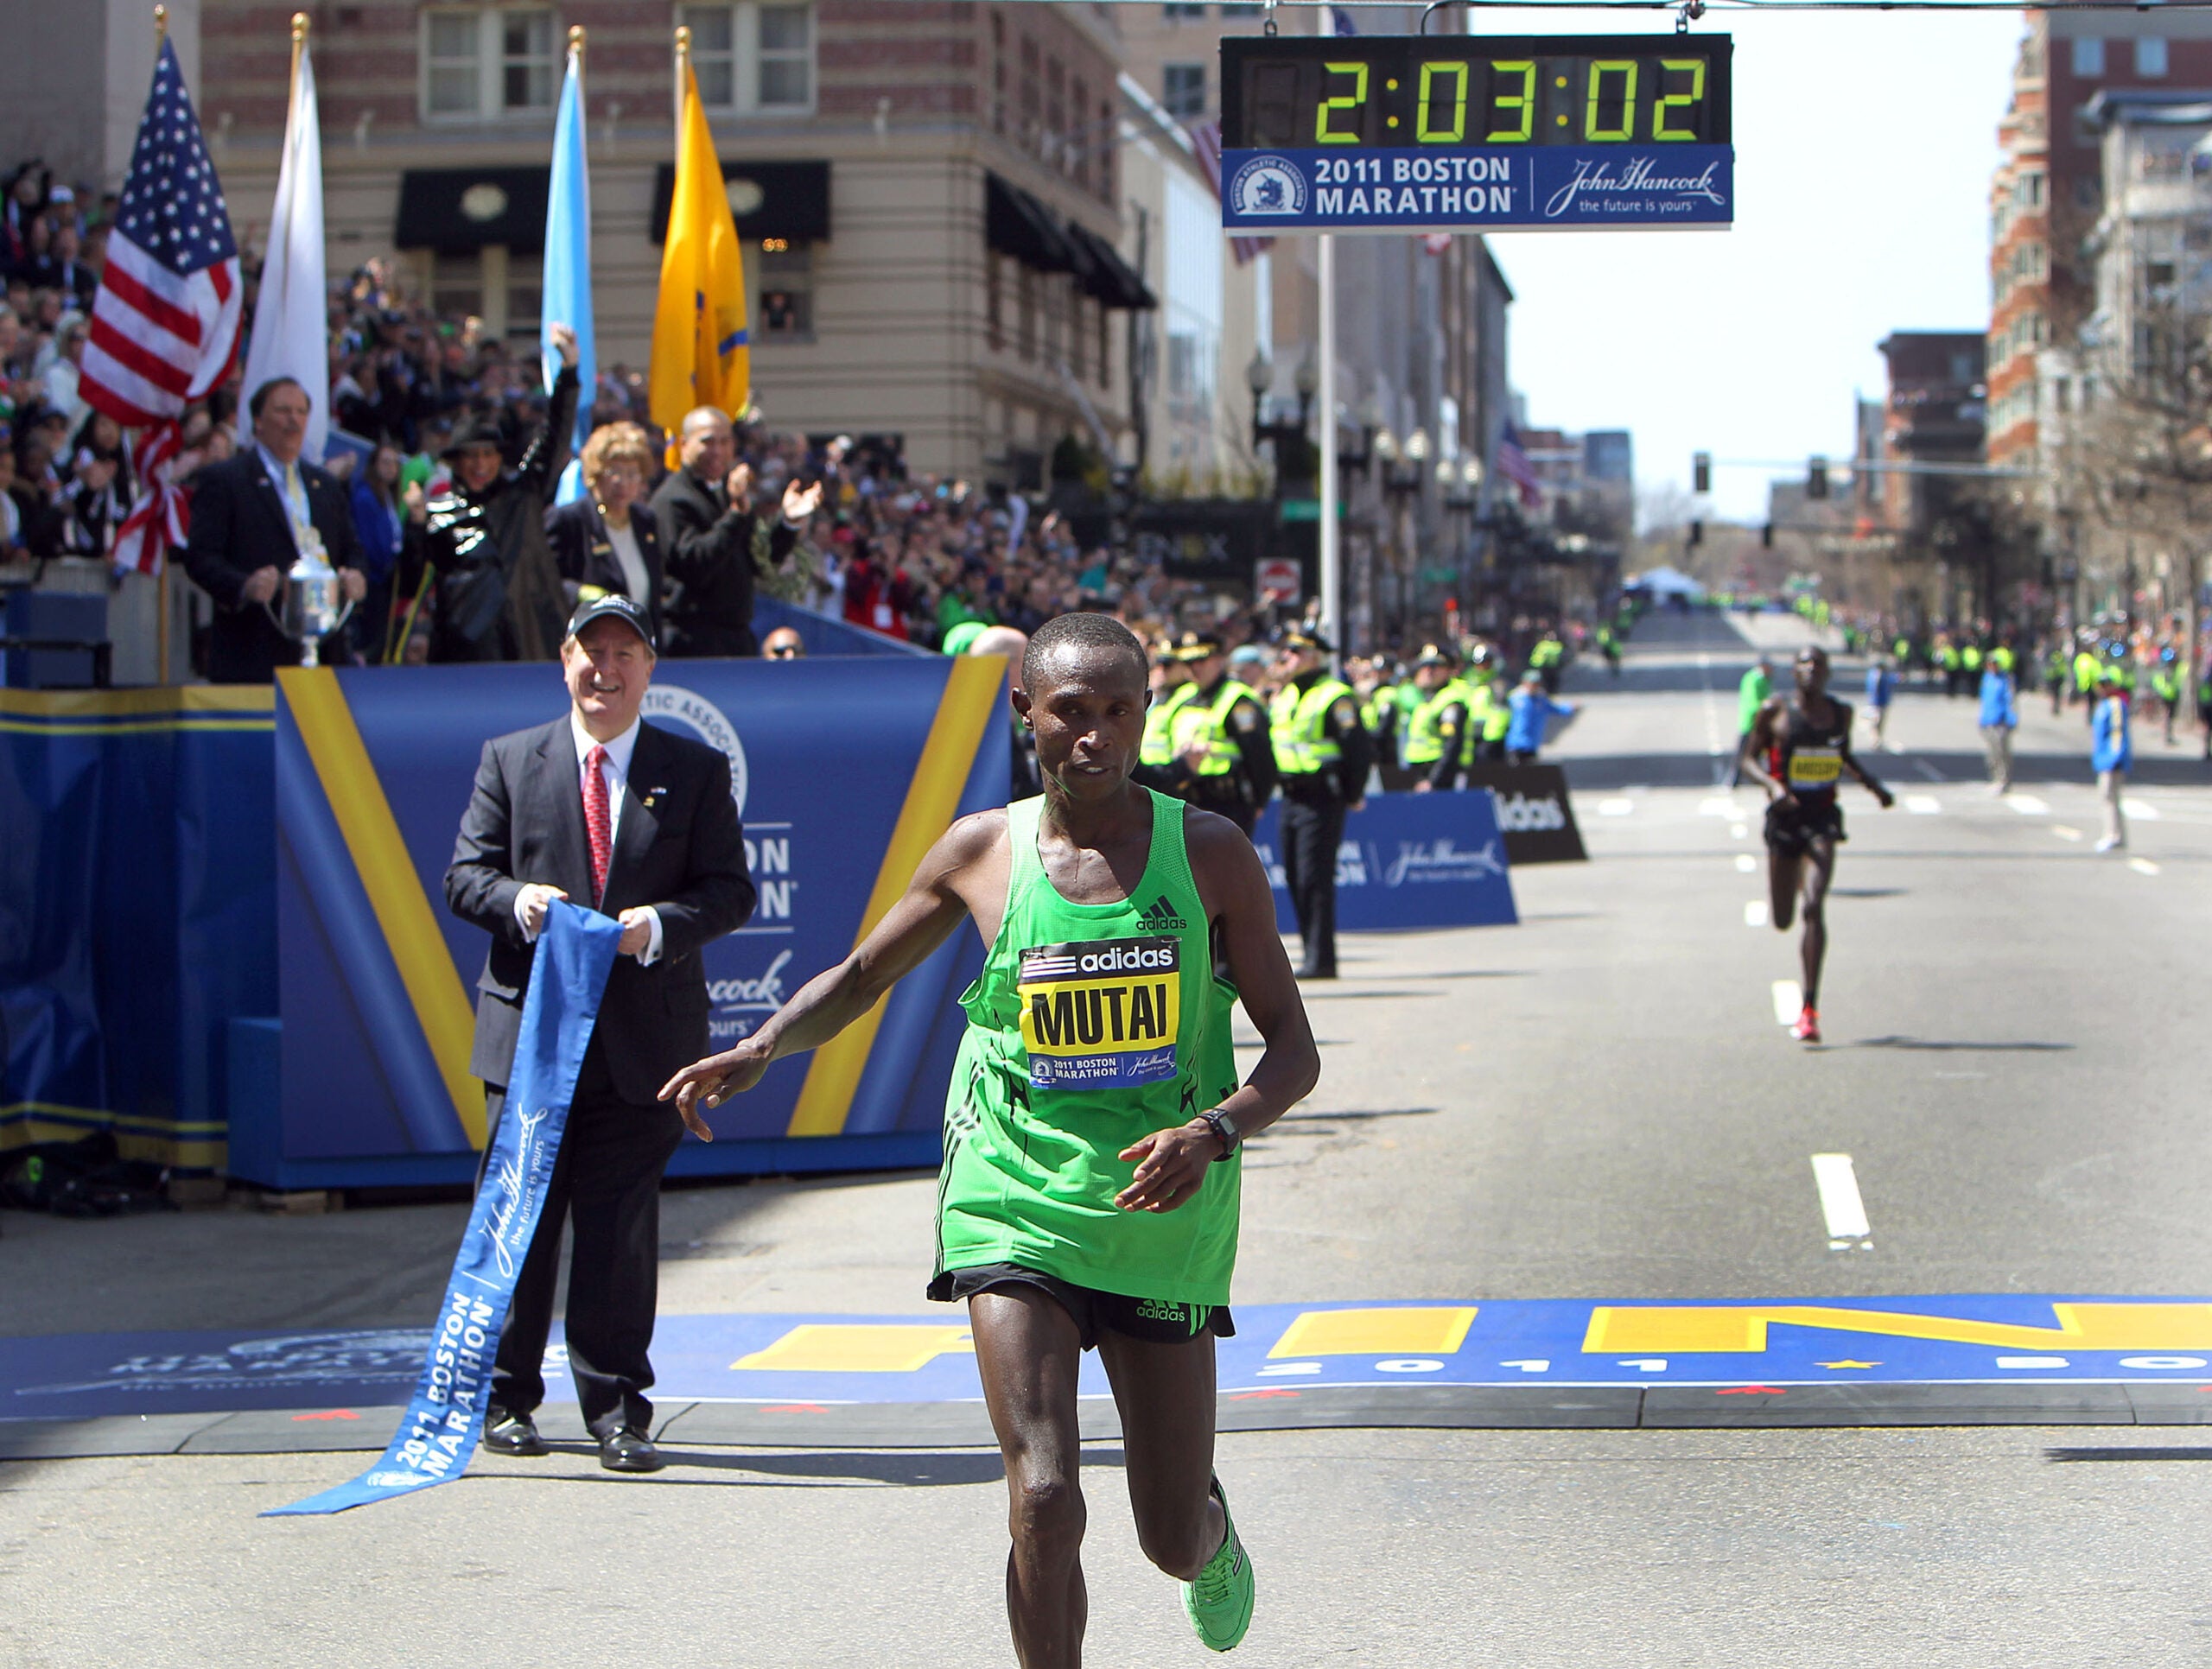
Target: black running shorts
[1151, 1320]
[1790, 830]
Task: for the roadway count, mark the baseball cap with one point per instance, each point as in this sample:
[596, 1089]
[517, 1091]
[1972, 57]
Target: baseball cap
[611, 605]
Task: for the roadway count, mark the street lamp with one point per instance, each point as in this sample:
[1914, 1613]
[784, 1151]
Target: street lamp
[1294, 454]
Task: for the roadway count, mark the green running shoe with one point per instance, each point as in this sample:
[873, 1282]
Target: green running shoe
[1219, 1603]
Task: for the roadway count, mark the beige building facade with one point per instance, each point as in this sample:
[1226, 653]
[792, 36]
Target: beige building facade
[929, 193]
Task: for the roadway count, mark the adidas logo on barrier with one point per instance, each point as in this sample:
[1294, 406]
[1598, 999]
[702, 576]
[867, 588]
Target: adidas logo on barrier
[1519, 815]
[1160, 916]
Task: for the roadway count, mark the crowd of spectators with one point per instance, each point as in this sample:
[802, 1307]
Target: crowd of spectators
[914, 558]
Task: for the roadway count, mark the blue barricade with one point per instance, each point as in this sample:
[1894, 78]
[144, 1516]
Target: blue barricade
[1409, 860]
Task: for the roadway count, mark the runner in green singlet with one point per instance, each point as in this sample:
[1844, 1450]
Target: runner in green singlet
[1088, 1196]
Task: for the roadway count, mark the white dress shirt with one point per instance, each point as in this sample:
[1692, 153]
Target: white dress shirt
[631, 560]
[614, 771]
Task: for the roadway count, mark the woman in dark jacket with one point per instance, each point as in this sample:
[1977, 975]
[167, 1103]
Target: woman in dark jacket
[607, 541]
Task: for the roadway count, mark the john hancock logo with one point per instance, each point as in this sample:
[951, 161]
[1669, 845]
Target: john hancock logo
[1267, 184]
[1598, 179]
[1160, 916]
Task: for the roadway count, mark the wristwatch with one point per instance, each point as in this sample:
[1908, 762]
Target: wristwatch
[1224, 1130]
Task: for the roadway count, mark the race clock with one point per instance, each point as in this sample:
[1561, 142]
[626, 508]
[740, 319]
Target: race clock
[1455, 133]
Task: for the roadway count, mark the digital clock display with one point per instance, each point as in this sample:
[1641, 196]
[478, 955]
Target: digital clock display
[1460, 92]
[1386, 133]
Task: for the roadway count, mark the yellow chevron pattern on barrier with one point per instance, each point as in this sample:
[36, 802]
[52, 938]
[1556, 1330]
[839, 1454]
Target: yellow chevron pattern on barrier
[972, 691]
[394, 891]
[1742, 1328]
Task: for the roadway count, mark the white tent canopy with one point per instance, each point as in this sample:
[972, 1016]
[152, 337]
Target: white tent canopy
[1664, 581]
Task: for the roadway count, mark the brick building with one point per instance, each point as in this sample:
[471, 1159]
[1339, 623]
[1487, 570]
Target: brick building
[927, 190]
[2047, 194]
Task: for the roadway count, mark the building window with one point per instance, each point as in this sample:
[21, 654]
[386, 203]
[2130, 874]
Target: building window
[504, 289]
[783, 288]
[1184, 14]
[2031, 192]
[457, 285]
[482, 63]
[751, 57]
[2089, 54]
[1105, 349]
[1025, 313]
[994, 298]
[1242, 9]
[1183, 89]
[2150, 56]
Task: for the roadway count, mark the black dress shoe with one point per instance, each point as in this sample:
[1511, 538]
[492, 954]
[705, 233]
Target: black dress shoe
[1315, 974]
[629, 1450]
[511, 1434]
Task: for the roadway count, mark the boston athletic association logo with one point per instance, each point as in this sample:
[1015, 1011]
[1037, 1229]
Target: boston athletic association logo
[672, 703]
[1267, 184]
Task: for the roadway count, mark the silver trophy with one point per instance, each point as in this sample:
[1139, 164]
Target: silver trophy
[315, 603]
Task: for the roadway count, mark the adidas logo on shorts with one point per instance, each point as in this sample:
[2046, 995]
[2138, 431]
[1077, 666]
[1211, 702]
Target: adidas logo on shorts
[1154, 1309]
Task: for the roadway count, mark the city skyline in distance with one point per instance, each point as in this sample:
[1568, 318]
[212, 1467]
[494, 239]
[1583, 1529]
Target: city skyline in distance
[1865, 145]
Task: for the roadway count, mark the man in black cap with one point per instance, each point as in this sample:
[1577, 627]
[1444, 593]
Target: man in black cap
[1219, 733]
[639, 823]
[479, 562]
[1323, 753]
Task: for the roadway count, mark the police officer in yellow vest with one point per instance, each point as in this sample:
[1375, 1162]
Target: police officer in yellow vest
[1219, 734]
[1491, 715]
[1157, 766]
[1324, 754]
[1440, 740]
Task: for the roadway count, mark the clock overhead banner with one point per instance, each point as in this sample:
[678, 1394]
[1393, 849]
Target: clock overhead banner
[1456, 133]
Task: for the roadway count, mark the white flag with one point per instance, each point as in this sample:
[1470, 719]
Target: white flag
[291, 332]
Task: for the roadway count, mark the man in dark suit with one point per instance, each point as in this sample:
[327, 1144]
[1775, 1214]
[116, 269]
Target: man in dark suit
[251, 517]
[705, 510]
[613, 813]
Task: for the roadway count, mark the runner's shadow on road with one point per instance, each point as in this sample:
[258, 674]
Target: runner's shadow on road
[1868, 892]
[1335, 1117]
[1951, 1046]
[2117, 1454]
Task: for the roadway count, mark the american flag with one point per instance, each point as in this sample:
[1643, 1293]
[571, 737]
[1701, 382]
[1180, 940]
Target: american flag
[1205, 139]
[162, 517]
[165, 323]
[1512, 464]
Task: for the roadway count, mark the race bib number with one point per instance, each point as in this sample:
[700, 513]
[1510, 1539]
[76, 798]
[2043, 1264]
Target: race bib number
[1101, 1014]
[1815, 767]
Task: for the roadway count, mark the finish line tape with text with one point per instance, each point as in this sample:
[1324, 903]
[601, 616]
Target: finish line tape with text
[445, 1416]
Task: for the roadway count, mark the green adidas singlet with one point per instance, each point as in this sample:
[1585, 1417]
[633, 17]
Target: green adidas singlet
[1093, 1025]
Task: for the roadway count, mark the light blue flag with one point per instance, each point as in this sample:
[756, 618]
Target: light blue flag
[568, 266]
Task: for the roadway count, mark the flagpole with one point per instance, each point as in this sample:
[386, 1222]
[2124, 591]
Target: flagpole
[1332, 624]
[683, 62]
[300, 20]
[161, 583]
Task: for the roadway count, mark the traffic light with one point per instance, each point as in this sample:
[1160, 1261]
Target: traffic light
[1766, 536]
[1816, 477]
[1697, 533]
[1701, 471]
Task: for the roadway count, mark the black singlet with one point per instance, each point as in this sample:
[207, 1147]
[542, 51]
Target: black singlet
[1808, 759]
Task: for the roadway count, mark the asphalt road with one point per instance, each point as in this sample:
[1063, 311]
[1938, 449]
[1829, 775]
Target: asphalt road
[1597, 1103]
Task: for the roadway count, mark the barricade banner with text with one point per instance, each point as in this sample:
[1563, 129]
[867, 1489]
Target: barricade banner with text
[1409, 860]
[844, 771]
[1533, 810]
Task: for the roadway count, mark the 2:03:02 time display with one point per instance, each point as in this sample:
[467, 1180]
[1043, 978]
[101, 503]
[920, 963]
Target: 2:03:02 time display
[1413, 92]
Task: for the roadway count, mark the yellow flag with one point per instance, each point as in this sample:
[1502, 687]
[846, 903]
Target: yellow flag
[701, 356]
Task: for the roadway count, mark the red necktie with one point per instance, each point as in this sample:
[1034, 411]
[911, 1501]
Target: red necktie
[598, 824]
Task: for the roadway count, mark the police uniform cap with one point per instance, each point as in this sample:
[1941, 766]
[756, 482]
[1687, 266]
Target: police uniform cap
[1195, 646]
[1298, 637]
[1435, 654]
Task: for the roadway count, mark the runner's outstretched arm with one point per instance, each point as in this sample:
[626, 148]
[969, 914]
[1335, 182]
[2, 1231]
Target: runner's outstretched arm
[1171, 1163]
[924, 917]
[1851, 764]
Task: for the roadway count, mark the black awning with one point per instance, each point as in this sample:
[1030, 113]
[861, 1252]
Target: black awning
[789, 201]
[1110, 279]
[460, 211]
[1016, 224]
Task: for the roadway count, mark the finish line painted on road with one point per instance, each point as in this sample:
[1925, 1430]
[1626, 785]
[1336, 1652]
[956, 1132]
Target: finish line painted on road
[799, 1379]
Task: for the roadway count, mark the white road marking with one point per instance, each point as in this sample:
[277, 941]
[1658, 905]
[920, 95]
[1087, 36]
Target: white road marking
[1755, 913]
[2030, 1363]
[1736, 831]
[1927, 770]
[1840, 1202]
[1923, 805]
[1893, 747]
[1719, 806]
[1614, 808]
[1531, 1364]
[1788, 1001]
[2066, 831]
[1746, 863]
[2028, 806]
[2143, 866]
[2135, 807]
